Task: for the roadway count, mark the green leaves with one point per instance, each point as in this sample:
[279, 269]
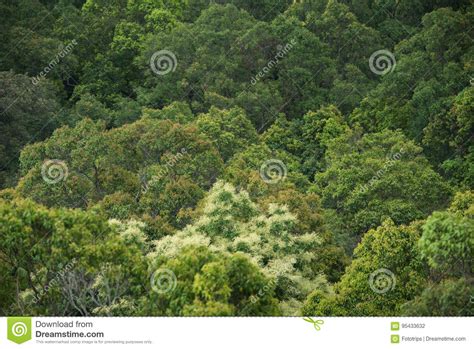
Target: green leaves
[377, 176]
[230, 131]
[165, 170]
[62, 263]
[451, 297]
[386, 271]
[230, 222]
[211, 284]
[28, 114]
[448, 240]
[242, 179]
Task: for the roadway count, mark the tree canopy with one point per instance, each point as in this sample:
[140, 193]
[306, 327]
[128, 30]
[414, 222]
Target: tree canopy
[236, 158]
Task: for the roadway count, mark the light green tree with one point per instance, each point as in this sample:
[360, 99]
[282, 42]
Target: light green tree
[230, 221]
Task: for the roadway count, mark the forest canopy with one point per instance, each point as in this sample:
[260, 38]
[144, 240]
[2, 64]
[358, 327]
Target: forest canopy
[236, 158]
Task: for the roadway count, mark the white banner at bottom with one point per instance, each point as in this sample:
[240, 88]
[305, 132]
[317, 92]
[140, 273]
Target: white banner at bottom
[244, 332]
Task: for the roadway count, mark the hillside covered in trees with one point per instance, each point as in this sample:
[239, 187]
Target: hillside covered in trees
[237, 158]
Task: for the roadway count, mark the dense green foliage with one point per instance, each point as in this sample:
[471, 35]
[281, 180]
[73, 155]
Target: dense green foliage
[236, 157]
